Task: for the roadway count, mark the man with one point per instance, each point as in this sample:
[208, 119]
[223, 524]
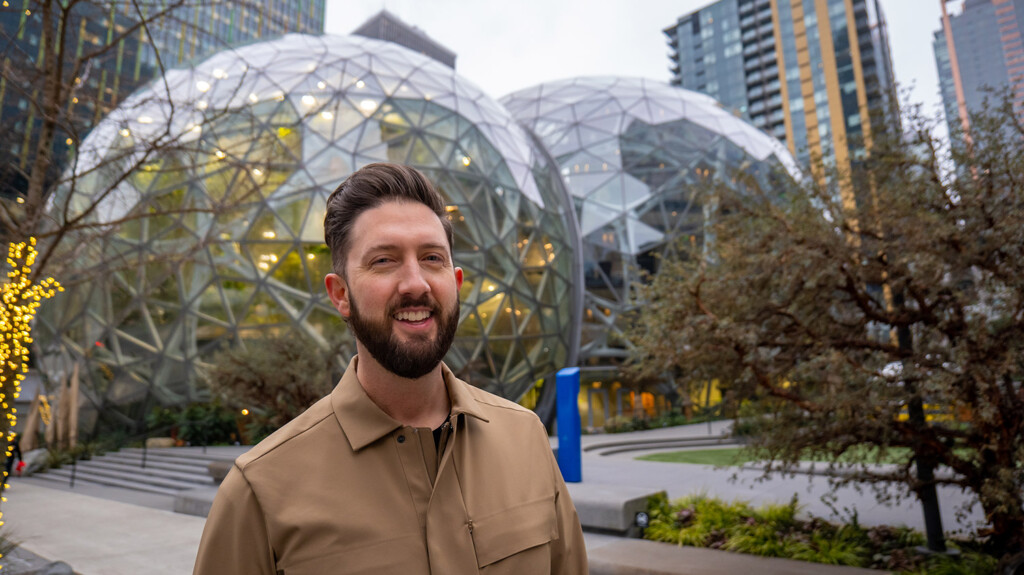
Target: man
[403, 468]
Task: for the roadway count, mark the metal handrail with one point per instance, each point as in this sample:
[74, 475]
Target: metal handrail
[132, 438]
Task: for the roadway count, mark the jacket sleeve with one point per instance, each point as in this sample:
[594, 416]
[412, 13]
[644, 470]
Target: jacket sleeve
[235, 540]
[569, 552]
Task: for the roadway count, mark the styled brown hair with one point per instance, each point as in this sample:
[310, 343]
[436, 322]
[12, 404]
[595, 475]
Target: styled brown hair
[368, 188]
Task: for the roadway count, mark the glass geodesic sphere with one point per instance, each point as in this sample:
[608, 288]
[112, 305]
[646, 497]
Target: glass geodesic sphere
[216, 237]
[635, 154]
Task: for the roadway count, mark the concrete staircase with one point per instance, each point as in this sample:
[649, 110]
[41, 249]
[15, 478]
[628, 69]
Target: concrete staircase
[168, 471]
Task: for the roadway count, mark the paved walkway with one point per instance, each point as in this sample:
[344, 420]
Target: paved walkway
[102, 534]
[98, 536]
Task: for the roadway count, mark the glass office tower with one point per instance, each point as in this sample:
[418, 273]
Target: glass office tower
[386, 26]
[114, 56]
[978, 48]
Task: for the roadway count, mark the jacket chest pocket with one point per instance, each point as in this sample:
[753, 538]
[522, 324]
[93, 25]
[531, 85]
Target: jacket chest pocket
[516, 540]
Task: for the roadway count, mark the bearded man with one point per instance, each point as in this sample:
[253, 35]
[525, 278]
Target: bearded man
[403, 468]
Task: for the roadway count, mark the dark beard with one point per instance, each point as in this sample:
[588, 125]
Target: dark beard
[415, 358]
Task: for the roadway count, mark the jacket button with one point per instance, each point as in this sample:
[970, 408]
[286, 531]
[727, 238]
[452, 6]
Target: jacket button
[401, 439]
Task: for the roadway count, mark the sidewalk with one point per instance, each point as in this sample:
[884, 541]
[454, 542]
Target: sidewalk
[129, 535]
[102, 537]
[99, 536]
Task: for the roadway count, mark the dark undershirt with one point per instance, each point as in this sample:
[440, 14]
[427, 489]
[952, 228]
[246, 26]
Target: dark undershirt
[437, 432]
[437, 437]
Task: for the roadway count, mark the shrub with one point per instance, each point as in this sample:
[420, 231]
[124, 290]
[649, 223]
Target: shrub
[197, 423]
[672, 418]
[274, 378]
[774, 530]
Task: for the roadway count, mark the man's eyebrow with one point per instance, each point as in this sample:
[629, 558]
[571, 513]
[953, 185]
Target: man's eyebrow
[391, 247]
[381, 248]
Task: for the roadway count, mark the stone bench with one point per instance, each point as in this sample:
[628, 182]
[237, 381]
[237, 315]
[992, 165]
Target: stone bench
[195, 501]
[610, 509]
[219, 470]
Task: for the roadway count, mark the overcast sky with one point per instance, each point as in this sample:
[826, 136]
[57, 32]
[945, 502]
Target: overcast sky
[503, 46]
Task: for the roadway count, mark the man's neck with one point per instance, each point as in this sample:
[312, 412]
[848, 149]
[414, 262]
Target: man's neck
[421, 402]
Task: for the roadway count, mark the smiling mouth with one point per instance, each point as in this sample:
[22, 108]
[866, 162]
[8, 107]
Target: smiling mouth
[412, 315]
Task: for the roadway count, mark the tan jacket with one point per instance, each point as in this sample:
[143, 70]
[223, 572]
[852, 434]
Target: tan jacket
[345, 489]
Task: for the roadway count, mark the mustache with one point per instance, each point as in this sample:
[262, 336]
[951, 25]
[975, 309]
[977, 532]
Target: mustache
[408, 301]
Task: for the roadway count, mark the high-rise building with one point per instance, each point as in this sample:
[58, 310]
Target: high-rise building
[980, 47]
[105, 53]
[815, 74]
[386, 26]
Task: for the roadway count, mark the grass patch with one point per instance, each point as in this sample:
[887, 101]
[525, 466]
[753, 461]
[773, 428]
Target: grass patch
[775, 531]
[719, 457]
[872, 454]
[729, 456]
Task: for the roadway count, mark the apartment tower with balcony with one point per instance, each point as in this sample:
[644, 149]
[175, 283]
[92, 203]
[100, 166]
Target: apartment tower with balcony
[816, 74]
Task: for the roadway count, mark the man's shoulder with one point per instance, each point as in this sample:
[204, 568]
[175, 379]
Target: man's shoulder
[495, 406]
[316, 415]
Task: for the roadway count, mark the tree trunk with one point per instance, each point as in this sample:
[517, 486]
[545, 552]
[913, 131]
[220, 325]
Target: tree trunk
[1007, 529]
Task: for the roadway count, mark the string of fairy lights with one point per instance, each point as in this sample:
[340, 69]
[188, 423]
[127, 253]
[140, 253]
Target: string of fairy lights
[21, 300]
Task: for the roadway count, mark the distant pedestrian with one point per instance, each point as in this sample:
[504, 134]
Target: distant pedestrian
[13, 450]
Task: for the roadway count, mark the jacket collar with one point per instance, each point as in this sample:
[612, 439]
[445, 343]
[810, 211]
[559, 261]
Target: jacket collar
[364, 423]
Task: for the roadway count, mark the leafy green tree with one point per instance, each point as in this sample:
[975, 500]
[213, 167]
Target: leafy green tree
[885, 309]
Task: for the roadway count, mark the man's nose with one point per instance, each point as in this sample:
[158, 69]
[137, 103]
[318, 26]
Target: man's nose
[413, 281]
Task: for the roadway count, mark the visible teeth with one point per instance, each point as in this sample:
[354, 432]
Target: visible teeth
[412, 315]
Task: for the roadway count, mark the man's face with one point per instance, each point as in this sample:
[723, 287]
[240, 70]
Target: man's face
[401, 290]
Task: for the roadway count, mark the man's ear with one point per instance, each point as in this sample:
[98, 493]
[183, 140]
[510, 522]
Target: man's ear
[458, 278]
[337, 290]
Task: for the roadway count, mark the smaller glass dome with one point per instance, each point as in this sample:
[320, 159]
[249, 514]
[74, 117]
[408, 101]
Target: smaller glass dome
[634, 154]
